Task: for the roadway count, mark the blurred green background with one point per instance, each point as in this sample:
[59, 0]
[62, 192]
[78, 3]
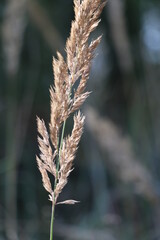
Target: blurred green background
[117, 167]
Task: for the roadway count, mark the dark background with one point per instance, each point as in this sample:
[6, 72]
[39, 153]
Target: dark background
[116, 173]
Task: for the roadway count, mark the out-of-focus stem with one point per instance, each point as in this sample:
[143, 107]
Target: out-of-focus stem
[11, 162]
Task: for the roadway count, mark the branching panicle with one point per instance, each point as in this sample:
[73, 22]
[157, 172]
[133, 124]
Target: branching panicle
[57, 151]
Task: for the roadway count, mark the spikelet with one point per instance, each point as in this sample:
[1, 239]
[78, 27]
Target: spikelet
[69, 148]
[57, 155]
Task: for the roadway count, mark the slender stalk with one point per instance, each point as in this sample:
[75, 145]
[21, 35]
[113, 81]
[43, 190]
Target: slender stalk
[56, 179]
[59, 153]
[62, 136]
[52, 221]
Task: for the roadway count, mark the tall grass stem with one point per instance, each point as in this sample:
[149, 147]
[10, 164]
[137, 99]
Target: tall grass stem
[57, 169]
[52, 220]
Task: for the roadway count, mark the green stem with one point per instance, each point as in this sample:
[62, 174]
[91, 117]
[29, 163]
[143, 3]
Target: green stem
[62, 136]
[52, 221]
[56, 179]
[59, 153]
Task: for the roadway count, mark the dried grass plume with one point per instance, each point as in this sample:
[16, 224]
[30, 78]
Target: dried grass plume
[121, 156]
[58, 152]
